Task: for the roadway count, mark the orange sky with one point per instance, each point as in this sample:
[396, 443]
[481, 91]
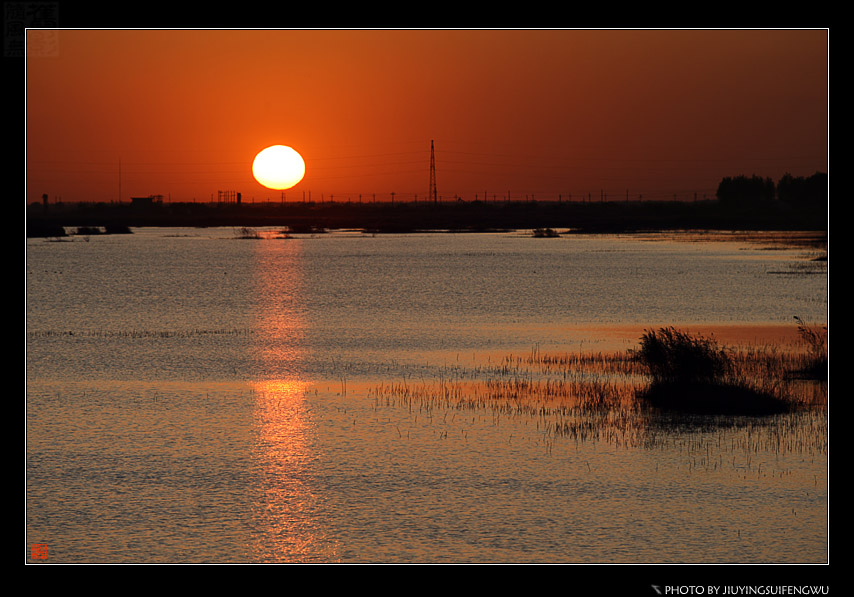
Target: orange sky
[529, 112]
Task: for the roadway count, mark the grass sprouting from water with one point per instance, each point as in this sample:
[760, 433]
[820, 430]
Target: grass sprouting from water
[815, 361]
[673, 356]
[131, 334]
[673, 383]
[693, 374]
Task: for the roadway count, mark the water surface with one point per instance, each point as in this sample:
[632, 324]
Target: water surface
[193, 397]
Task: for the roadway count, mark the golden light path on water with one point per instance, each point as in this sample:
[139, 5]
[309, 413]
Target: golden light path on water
[284, 521]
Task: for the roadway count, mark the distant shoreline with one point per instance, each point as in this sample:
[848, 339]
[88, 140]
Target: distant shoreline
[577, 217]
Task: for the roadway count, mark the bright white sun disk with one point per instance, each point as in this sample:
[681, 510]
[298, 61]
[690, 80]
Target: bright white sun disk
[278, 167]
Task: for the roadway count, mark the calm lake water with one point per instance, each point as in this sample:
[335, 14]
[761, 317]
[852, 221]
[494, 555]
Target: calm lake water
[194, 397]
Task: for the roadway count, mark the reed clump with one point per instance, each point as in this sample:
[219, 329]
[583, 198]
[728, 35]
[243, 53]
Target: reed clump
[693, 374]
[674, 356]
[672, 382]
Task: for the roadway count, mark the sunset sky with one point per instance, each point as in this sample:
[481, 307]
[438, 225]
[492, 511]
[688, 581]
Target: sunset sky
[651, 113]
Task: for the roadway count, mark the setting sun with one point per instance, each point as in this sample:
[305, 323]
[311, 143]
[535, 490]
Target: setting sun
[278, 167]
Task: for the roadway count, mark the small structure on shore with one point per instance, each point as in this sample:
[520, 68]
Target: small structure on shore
[149, 201]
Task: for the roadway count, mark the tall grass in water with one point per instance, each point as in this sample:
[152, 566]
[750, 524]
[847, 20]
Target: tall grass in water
[674, 357]
[692, 374]
[815, 361]
[673, 388]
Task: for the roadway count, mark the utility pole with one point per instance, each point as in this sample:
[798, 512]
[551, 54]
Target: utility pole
[433, 191]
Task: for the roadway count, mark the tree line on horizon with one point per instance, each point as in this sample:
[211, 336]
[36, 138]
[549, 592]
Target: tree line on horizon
[807, 192]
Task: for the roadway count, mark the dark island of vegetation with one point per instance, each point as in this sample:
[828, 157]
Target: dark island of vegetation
[742, 203]
[692, 374]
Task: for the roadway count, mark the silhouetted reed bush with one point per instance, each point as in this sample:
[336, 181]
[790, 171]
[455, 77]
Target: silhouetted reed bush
[694, 375]
[670, 355]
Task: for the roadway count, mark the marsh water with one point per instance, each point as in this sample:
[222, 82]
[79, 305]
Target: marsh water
[193, 396]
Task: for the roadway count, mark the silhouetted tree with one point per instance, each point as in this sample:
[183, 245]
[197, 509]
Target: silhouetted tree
[804, 192]
[741, 190]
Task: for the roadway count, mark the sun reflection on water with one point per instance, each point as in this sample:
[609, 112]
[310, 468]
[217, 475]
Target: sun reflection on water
[285, 521]
[287, 505]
